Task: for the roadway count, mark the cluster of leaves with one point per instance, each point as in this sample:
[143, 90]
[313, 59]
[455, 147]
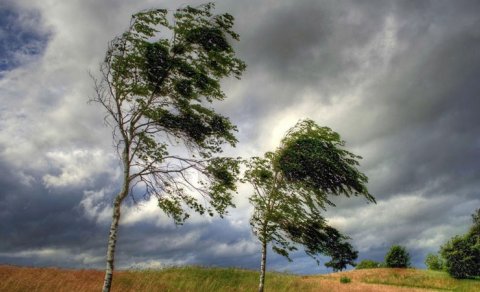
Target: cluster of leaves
[318, 238]
[291, 186]
[397, 257]
[159, 78]
[313, 158]
[434, 262]
[368, 264]
[462, 253]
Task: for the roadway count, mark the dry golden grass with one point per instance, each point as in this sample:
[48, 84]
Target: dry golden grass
[228, 279]
[327, 284]
[48, 279]
[409, 279]
[332, 283]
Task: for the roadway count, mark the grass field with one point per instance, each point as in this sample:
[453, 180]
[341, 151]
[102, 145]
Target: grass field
[227, 279]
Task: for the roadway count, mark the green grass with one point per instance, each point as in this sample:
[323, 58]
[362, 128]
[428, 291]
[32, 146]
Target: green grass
[205, 279]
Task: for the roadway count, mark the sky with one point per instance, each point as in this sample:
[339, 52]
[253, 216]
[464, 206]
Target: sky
[398, 80]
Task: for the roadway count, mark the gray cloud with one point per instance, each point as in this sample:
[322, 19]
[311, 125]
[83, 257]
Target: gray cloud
[21, 36]
[397, 79]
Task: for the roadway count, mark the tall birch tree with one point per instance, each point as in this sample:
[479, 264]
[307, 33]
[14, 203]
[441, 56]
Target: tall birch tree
[157, 81]
[291, 189]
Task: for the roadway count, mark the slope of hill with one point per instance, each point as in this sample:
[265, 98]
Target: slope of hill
[227, 279]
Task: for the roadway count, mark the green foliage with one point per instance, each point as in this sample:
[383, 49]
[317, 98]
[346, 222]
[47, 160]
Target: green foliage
[288, 200]
[475, 228]
[345, 280]
[462, 253]
[322, 239]
[272, 215]
[158, 80]
[313, 158]
[397, 257]
[434, 262]
[460, 259]
[368, 264]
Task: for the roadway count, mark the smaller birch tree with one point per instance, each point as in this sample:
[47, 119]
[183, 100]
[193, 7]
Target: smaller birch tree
[291, 189]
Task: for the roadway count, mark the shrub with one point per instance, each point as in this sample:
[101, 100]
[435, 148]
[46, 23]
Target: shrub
[368, 264]
[397, 257]
[345, 280]
[434, 262]
[462, 257]
[462, 253]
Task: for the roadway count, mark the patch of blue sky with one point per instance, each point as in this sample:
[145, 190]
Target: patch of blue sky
[22, 38]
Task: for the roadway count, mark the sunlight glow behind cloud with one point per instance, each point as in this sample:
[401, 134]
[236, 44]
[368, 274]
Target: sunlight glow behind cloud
[397, 79]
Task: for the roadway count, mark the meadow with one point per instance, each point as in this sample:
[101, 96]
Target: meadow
[14, 278]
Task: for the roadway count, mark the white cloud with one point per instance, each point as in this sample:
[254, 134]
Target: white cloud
[42, 253]
[57, 255]
[95, 207]
[408, 219]
[146, 211]
[155, 264]
[243, 247]
[25, 179]
[78, 167]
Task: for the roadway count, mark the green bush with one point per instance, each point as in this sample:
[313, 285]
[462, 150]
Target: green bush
[462, 257]
[434, 262]
[368, 264]
[345, 280]
[462, 253]
[397, 257]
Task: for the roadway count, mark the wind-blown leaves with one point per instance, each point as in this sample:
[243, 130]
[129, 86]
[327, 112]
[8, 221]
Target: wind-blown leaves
[158, 81]
[313, 157]
[291, 189]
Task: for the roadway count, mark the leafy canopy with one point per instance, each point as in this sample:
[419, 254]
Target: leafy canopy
[368, 264]
[291, 188]
[158, 79]
[397, 257]
[462, 253]
[313, 158]
[434, 262]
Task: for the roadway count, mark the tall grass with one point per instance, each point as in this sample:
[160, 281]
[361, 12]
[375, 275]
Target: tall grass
[226, 279]
[172, 279]
[414, 278]
[202, 279]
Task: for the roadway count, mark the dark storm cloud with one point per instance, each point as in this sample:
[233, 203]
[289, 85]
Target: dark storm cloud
[20, 40]
[217, 243]
[426, 105]
[291, 47]
[302, 43]
[416, 121]
[36, 218]
[400, 78]
[47, 227]
[427, 98]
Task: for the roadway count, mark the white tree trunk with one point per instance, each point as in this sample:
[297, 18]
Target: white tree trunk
[112, 241]
[112, 238]
[263, 265]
